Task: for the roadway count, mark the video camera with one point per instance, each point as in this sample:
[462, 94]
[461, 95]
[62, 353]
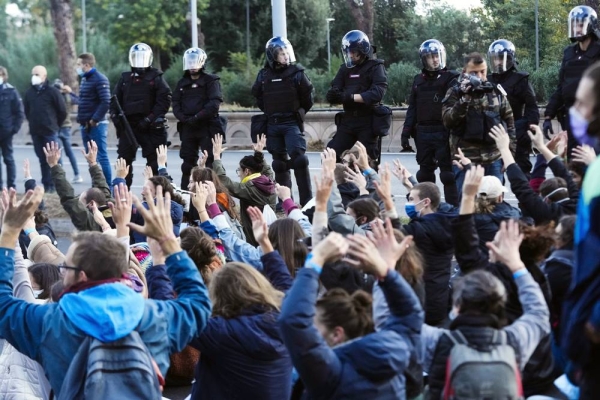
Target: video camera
[477, 86]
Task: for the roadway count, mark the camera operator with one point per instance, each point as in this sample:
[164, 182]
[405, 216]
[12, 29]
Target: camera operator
[470, 109]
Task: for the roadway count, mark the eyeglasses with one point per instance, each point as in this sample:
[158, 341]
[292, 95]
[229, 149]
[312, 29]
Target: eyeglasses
[65, 267]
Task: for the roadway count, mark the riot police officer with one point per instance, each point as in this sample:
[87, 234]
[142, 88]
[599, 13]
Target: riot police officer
[359, 86]
[285, 94]
[145, 98]
[584, 31]
[196, 103]
[520, 93]
[424, 118]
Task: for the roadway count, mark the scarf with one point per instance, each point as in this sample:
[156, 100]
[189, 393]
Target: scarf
[250, 177]
[223, 200]
[81, 286]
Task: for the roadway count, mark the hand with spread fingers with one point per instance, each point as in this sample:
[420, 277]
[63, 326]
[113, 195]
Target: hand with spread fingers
[157, 221]
[505, 247]
[402, 174]
[261, 143]
[122, 208]
[473, 179]
[52, 152]
[91, 154]
[202, 157]
[148, 173]
[384, 188]
[323, 186]
[462, 161]
[357, 178]
[16, 214]
[500, 136]
[99, 217]
[218, 148]
[382, 236]
[199, 197]
[584, 154]
[536, 136]
[363, 159]
[260, 229]
[161, 155]
[328, 160]
[121, 168]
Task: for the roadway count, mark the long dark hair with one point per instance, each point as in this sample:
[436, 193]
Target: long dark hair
[167, 188]
[286, 235]
[45, 275]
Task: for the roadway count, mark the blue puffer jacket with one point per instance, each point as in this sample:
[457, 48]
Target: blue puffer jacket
[370, 367]
[11, 111]
[51, 334]
[94, 97]
[488, 224]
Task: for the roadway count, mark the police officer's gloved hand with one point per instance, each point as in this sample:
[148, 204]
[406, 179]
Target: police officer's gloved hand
[144, 124]
[334, 96]
[547, 128]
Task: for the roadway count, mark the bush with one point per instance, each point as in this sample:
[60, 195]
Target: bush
[400, 78]
[544, 80]
[237, 80]
[175, 71]
[110, 60]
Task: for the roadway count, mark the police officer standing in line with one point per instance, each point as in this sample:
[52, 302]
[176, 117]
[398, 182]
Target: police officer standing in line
[521, 96]
[470, 110]
[584, 31]
[196, 103]
[145, 98]
[424, 118]
[285, 94]
[359, 86]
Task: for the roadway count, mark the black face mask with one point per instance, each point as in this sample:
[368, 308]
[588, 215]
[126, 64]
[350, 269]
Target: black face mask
[139, 71]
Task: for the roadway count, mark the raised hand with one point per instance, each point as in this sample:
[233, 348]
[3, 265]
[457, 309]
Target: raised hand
[536, 136]
[402, 173]
[122, 169]
[259, 224]
[332, 248]
[473, 179]
[584, 154]
[122, 207]
[505, 247]
[328, 160]
[16, 214]
[261, 143]
[363, 159]
[199, 197]
[202, 157]
[462, 160]
[92, 153]
[218, 148]
[498, 133]
[384, 188]
[148, 173]
[283, 192]
[52, 152]
[161, 155]
[26, 168]
[323, 186]
[98, 216]
[385, 241]
[357, 178]
[157, 221]
[211, 190]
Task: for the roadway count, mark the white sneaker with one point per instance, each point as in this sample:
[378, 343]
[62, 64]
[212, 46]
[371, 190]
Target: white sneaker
[77, 179]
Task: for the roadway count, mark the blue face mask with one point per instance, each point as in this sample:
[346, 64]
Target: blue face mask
[80, 71]
[411, 209]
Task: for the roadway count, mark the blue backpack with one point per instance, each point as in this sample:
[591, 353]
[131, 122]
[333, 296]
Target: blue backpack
[123, 369]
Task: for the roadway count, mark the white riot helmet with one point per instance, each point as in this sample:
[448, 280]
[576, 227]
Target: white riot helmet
[194, 58]
[140, 56]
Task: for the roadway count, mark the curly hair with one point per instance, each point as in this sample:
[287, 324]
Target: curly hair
[537, 241]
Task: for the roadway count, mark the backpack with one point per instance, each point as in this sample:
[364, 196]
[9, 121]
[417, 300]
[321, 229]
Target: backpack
[123, 369]
[482, 374]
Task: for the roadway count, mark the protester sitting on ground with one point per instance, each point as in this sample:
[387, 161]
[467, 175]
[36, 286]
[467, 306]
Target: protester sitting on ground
[348, 190]
[241, 343]
[256, 189]
[331, 340]
[96, 305]
[559, 194]
[41, 248]
[21, 377]
[203, 251]
[478, 303]
[534, 245]
[286, 234]
[78, 207]
[42, 277]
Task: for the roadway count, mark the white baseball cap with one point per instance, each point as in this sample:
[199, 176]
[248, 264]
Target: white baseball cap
[491, 187]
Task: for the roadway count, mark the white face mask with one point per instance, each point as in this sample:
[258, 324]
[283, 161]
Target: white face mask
[36, 293]
[36, 80]
[1, 80]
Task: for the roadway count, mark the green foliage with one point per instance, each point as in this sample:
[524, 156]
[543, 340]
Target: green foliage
[109, 59]
[25, 48]
[544, 80]
[321, 79]
[237, 81]
[400, 78]
[175, 71]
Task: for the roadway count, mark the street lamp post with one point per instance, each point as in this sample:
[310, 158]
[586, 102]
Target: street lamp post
[329, 45]
[194, 22]
[537, 36]
[83, 26]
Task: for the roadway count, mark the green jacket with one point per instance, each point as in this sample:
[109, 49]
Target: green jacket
[257, 192]
[454, 115]
[81, 217]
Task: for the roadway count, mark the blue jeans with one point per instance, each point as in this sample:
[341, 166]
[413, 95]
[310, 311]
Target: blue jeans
[64, 134]
[98, 135]
[39, 142]
[9, 161]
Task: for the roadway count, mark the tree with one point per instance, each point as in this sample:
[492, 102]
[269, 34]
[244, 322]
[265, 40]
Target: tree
[62, 20]
[364, 16]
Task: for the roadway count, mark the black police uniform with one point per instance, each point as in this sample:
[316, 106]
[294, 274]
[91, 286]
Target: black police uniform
[521, 98]
[285, 95]
[424, 123]
[575, 62]
[145, 99]
[196, 105]
[370, 81]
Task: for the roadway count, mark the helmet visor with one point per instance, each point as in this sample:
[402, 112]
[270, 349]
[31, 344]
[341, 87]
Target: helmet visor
[283, 55]
[351, 57]
[434, 60]
[194, 60]
[140, 58]
[579, 26]
[500, 62]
